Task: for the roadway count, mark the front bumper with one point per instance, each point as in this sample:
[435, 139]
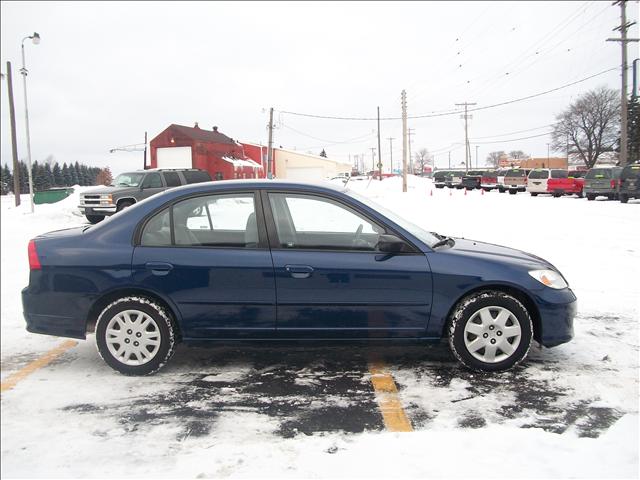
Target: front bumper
[102, 210]
[557, 309]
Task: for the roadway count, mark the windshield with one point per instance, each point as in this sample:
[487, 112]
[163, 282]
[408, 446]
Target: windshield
[132, 179]
[599, 173]
[559, 174]
[420, 233]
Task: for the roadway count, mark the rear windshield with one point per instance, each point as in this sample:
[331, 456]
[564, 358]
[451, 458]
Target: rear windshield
[577, 173]
[440, 175]
[630, 171]
[539, 174]
[196, 176]
[599, 173]
[516, 173]
[559, 174]
[474, 173]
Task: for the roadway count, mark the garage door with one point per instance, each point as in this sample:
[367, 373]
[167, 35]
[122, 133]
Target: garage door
[174, 157]
[305, 173]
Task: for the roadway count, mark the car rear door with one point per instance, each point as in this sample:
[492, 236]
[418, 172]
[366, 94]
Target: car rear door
[331, 281]
[209, 255]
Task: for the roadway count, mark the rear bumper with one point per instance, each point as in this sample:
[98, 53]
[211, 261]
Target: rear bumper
[599, 191]
[557, 310]
[47, 323]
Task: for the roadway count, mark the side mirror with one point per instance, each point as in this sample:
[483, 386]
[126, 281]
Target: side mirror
[390, 244]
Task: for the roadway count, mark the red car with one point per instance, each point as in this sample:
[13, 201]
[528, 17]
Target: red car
[572, 184]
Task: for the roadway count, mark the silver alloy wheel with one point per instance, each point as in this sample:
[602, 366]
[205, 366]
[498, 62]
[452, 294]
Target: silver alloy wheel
[132, 337]
[492, 334]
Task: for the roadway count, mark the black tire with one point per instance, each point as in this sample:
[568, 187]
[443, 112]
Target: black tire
[465, 310]
[580, 194]
[501, 190]
[590, 197]
[624, 198]
[534, 194]
[95, 218]
[557, 195]
[124, 204]
[165, 328]
[512, 192]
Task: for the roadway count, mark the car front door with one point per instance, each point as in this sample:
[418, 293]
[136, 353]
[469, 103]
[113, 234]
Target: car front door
[209, 255]
[331, 281]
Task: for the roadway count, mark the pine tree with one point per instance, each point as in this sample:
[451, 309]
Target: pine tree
[633, 122]
[24, 177]
[66, 175]
[48, 176]
[74, 174]
[57, 175]
[7, 180]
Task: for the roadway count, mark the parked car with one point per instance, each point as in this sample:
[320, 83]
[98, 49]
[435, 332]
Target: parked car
[602, 181]
[629, 182]
[538, 179]
[454, 179]
[500, 177]
[489, 180]
[569, 185]
[472, 179]
[131, 187]
[439, 178]
[515, 180]
[257, 260]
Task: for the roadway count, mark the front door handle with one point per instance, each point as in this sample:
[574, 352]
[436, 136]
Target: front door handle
[158, 268]
[299, 271]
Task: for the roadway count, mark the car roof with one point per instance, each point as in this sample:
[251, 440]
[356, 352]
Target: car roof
[222, 185]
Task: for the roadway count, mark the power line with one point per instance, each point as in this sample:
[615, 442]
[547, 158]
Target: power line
[513, 139]
[452, 112]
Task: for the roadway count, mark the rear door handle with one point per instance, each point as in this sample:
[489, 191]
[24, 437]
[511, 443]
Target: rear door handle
[158, 268]
[299, 271]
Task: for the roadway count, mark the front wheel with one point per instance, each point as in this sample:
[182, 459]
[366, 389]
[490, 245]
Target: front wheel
[93, 219]
[135, 336]
[490, 331]
[534, 194]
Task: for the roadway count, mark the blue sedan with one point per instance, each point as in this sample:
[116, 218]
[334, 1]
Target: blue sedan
[261, 260]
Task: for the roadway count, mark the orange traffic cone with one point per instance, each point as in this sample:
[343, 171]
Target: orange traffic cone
[449, 192]
[482, 191]
[431, 194]
[465, 192]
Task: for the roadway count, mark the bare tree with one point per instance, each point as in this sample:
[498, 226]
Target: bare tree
[422, 159]
[518, 155]
[104, 177]
[493, 159]
[590, 126]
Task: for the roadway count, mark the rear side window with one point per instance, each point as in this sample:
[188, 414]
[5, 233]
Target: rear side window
[516, 173]
[172, 179]
[157, 231]
[539, 174]
[559, 174]
[630, 172]
[597, 173]
[196, 176]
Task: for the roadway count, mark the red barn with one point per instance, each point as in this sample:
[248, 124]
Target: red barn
[185, 147]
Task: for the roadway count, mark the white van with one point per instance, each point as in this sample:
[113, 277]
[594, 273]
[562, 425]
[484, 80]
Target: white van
[537, 181]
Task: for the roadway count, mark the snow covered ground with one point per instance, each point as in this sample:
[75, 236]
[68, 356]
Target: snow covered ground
[293, 411]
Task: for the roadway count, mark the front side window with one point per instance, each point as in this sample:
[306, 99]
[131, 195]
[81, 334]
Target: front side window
[311, 222]
[152, 180]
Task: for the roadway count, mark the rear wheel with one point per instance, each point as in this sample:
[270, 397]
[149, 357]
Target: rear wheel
[624, 198]
[590, 196]
[135, 336]
[534, 194]
[513, 192]
[95, 218]
[490, 331]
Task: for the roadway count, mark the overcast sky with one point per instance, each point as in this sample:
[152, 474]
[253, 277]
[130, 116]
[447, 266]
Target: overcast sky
[106, 72]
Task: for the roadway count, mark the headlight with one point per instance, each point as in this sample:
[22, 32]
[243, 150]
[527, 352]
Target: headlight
[106, 199]
[550, 278]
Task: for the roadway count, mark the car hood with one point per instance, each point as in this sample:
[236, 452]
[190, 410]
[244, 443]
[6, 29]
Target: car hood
[107, 189]
[492, 252]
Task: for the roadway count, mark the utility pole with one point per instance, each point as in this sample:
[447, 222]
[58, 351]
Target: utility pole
[623, 27]
[144, 165]
[270, 146]
[477, 146]
[379, 148]
[14, 145]
[449, 160]
[391, 139]
[410, 132]
[467, 151]
[373, 159]
[403, 102]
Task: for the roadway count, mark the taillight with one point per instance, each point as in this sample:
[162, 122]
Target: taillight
[34, 261]
[613, 183]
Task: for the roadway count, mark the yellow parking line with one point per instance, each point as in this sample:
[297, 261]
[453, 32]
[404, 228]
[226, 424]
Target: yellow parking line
[394, 416]
[38, 363]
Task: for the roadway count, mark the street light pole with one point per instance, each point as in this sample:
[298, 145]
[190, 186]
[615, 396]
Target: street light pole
[35, 38]
[477, 146]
